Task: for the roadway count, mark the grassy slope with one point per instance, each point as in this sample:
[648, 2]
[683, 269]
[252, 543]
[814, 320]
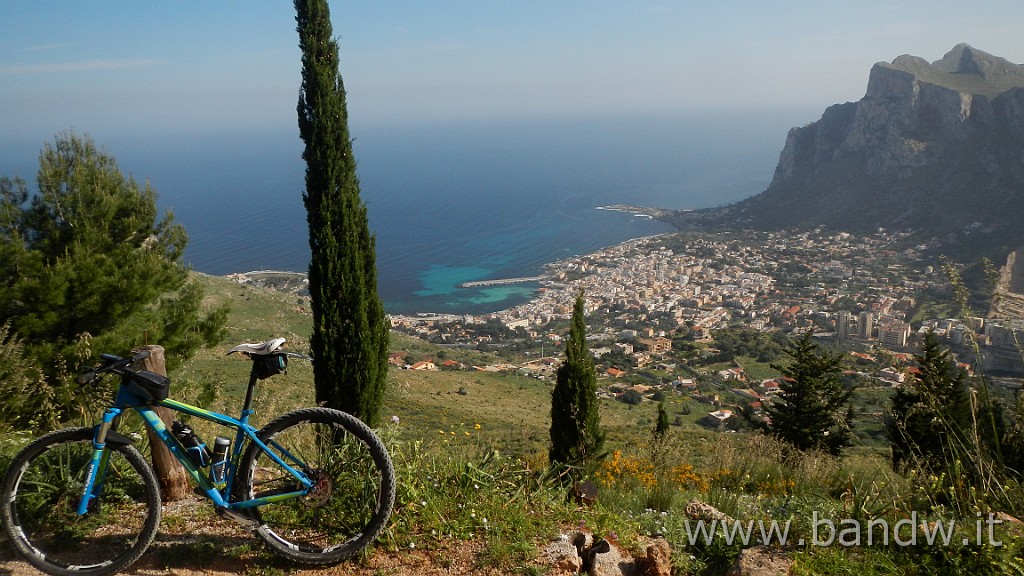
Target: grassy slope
[745, 475]
[514, 410]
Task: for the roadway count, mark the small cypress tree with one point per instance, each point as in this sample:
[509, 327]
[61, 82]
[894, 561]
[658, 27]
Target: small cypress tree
[350, 333]
[576, 436]
[661, 428]
[812, 410]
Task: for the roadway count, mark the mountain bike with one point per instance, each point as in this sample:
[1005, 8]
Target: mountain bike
[316, 484]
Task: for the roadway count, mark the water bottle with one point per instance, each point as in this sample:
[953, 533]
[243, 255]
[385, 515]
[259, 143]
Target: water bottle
[194, 446]
[219, 469]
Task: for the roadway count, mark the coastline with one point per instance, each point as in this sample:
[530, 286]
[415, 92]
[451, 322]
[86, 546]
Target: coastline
[548, 279]
[553, 283]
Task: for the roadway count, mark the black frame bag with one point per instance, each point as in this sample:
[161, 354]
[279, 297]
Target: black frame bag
[149, 385]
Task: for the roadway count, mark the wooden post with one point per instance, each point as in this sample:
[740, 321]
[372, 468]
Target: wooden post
[174, 483]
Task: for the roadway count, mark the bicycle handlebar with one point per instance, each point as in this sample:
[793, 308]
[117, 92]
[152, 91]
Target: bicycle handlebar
[111, 363]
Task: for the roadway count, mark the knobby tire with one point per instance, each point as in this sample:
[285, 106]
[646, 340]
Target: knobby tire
[40, 496]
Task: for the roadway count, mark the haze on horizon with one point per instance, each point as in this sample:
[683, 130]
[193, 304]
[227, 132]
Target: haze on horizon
[189, 66]
[176, 74]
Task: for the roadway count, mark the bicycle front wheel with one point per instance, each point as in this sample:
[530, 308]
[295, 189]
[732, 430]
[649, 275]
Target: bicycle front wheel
[41, 492]
[353, 492]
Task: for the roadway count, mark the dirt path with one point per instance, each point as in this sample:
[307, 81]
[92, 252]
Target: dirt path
[175, 557]
[193, 541]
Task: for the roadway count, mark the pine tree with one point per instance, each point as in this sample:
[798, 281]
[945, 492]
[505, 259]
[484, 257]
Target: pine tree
[350, 333]
[88, 266]
[812, 410]
[576, 436]
[930, 418]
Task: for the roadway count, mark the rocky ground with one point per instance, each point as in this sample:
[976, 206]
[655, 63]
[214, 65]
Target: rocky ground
[456, 561]
[194, 542]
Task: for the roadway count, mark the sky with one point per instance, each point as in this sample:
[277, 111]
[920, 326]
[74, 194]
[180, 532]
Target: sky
[124, 70]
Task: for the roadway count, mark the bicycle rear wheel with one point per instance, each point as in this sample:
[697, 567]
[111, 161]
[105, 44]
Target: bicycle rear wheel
[40, 496]
[353, 494]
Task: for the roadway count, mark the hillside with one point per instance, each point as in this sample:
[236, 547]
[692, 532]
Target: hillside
[424, 401]
[470, 447]
[934, 147]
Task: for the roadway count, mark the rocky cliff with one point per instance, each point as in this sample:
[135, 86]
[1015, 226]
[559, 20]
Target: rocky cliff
[935, 147]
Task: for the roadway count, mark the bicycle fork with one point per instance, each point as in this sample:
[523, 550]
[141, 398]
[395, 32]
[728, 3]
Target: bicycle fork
[96, 472]
[106, 433]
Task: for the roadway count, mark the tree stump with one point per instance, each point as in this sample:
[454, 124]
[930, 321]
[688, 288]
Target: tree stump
[174, 484]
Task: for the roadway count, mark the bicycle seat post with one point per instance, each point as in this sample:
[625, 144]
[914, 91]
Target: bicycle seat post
[247, 405]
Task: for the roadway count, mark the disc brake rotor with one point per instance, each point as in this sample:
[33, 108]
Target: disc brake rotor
[321, 490]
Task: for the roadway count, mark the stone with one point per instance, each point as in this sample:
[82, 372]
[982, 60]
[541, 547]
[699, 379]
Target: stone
[561, 557]
[609, 559]
[761, 561]
[585, 493]
[1012, 525]
[1007, 519]
[576, 552]
[582, 539]
[657, 560]
[700, 511]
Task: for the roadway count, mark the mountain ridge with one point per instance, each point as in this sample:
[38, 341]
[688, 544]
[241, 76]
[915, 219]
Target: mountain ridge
[933, 147]
[965, 69]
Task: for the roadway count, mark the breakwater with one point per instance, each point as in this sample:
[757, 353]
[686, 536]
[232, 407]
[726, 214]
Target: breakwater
[501, 281]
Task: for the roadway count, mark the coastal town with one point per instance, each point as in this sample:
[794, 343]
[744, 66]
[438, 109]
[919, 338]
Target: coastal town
[771, 281]
[657, 308]
[649, 298]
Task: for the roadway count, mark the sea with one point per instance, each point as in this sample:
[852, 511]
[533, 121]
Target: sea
[454, 202]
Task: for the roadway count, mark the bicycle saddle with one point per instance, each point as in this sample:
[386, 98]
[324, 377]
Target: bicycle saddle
[268, 347]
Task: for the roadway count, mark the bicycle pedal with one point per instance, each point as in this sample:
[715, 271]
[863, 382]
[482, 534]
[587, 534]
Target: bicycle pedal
[240, 517]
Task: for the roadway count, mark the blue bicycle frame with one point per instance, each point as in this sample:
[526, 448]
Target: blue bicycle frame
[219, 493]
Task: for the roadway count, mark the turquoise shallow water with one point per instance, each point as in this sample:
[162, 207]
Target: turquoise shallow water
[440, 280]
[442, 286]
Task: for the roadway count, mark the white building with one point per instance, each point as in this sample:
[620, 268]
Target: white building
[894, 333]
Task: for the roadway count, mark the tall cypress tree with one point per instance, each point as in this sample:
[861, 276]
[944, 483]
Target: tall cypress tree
[576, 436]
[350, 334]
